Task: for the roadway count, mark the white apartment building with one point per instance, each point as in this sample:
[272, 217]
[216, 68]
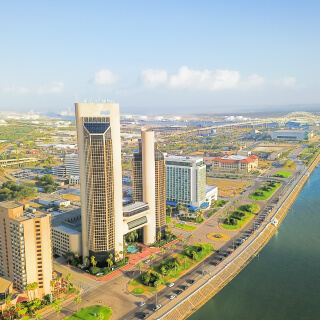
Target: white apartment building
[72, 168]
[185, 181]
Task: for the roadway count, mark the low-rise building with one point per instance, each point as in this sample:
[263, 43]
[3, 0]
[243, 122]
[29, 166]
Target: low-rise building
[292, 134]
[66, 233]
[52, 200]
[59, 171]
[235, 163]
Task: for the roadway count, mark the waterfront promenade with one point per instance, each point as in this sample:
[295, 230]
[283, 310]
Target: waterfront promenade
[210, 286]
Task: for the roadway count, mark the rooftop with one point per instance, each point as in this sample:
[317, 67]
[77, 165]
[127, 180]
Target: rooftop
[70, 219]
[4, 284]
[68, 230]
[183, 159]
[10, 204]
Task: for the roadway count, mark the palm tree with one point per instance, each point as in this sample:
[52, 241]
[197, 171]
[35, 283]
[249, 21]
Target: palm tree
[111, 263]
[117, 256]
[152, 256]
[110, 256]
[159, 236]
[52, 284]
[68, 278]
[93, 261]
[183, 241]
[28, 289]
[77, 301]
[34, 286]
[185, 263]
[163, 271]
[194, 255]
[140, 265]
[8, 301]
[86, 260]
[163, 250]
[172, 247]
[108, 262]
[58, 309]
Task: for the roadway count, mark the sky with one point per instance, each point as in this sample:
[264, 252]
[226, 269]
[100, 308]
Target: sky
[160, 56]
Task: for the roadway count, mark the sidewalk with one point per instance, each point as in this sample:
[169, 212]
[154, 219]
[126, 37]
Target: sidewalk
[134, 258]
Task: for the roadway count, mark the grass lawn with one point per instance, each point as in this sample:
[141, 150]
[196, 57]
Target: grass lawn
[240, 225]
[284, 174]
[185, 226]
[168, 219]
[267, 194]
[289, 164]
[136, 286]
[88, 313]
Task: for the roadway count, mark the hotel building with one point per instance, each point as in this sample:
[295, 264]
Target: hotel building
[186, 181]
[25, 247]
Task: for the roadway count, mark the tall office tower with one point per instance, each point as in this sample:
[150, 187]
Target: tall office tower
[186, 180]
[99, 147]
[149, 181]
[25, 247]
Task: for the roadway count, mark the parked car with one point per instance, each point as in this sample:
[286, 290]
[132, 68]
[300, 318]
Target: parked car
[172, 297]
[142, 303]
[157, 307]
[171, 284]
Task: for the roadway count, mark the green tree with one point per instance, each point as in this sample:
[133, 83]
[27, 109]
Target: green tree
[58, 310]
[93, 261]
[77, 301]
[140, 265]
[152, 256]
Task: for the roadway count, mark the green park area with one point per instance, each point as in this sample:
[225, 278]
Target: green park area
[265, 191]
[157, 277]
[289, 165]
[240, 217]
[283, 174]
[92, 313]
[185, 226]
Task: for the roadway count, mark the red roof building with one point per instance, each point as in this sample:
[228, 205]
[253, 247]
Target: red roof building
[234, 163]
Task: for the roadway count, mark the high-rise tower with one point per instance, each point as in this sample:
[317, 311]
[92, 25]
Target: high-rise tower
[149, 182]
[99, 147]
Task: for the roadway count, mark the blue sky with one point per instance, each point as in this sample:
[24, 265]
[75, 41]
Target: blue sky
[160, 56]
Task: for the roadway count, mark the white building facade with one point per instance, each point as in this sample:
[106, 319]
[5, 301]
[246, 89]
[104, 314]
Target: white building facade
[185, 180]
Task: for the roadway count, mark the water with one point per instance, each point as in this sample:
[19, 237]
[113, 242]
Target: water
[284, 282]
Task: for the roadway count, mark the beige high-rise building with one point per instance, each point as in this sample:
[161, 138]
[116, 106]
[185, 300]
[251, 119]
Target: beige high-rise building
[25, 247]
[99, 151]
[149, 183]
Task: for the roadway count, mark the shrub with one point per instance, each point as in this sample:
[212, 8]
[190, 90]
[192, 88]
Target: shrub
[94, 270]
[149, 278]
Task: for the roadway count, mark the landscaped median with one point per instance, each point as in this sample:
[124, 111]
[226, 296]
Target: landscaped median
[157, 277]
[240, 217]
[92, 313]
[184, 226]
[265, 191]
[283, 174]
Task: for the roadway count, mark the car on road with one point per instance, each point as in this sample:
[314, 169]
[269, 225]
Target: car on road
[171, 284]
[193, 281]
[172, 297]
[147, 261]
[185, 287]
[142, 303]
[157, 307]
[179, 291]
[145, 315]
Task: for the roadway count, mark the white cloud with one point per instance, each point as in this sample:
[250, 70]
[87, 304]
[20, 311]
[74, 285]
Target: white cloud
[105, 76]
[18, 90]
[54, 88]
[203, 80]
[252, 81]
[152, 78]
[286, 82]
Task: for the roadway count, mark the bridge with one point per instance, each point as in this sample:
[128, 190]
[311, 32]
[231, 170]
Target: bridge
[14, 162]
